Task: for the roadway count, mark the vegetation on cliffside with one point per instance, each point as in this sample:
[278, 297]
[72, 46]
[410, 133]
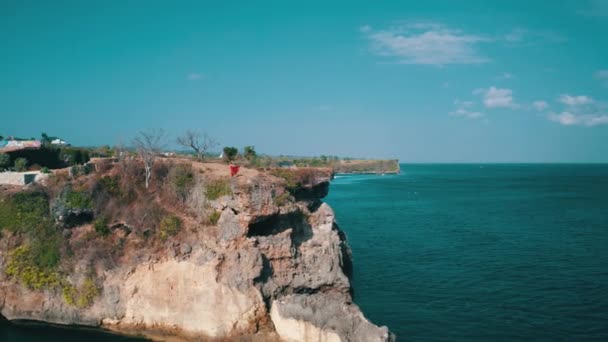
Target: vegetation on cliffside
[78, 220]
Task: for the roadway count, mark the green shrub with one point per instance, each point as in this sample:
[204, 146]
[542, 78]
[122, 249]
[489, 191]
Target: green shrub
[249, 153]
[45, 170]
[80, 297]
[45, 247]
[21, 265]
[111, 185]
[78, 200]
[282, 199]
[33, 263]
[101, 227]
[230, 153]
[290, 177]
[218, 188]
[70, 293]
[24, 211]
[169, 226]
[80, 170]
[214, 217]
[182, 180]
[5, 161]
[88, 292]
[20, 164]
[295, 179]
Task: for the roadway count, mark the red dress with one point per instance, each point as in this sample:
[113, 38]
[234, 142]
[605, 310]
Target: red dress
[234, 169]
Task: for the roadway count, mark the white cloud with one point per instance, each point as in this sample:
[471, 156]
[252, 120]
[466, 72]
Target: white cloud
[464, 110]
[195, 76]
[569, 119]
[581, 111]
[426, 43]
[540, 105]
[575, 100]
[464, 113]
[496, 97]
[365, 28]
[524, 36]
[466, 104]
[507, 75]
[601, 74]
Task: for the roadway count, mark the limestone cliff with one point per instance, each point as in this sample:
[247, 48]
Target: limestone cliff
[199, 256]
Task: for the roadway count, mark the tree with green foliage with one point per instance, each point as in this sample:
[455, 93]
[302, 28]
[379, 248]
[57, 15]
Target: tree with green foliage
[5, 161]
[45, 139]
[249, 153]
[20, 164]
[230, 153]
[76, 157]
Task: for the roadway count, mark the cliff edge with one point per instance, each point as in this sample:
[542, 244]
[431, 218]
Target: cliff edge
[197, 255]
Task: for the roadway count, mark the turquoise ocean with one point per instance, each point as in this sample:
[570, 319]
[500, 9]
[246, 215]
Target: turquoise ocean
[467, 252]
[480, 252]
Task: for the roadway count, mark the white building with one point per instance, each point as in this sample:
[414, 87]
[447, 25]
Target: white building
[59, 142]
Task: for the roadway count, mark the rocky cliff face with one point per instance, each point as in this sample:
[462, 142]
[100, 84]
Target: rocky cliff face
[274, 266]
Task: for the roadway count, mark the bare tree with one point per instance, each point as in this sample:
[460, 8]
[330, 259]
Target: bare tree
[200, 143]
[149, 145]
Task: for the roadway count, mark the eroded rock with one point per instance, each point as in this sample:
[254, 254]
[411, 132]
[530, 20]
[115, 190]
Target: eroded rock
[279, 266]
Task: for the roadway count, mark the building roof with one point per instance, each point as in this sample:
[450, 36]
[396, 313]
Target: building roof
[16, 145]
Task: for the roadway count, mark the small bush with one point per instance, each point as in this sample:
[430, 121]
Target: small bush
[169, 226]
[282, 199]
[218, 188]
[111, 185]
[5, 161]
[80, 297]
[101, 227]
[22, 266]
[45, 170]
[249, 153]
[20, 164]
[295, 179]
[214, 217]
[80, 170]
[88, 292]
[182, 180]
[78, 200]
[70, 293]
[290, 177]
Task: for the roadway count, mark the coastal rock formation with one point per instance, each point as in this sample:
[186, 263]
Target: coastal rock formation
[261, 258]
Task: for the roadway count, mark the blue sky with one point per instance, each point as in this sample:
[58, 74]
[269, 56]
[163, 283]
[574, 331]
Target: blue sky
[424, 81]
